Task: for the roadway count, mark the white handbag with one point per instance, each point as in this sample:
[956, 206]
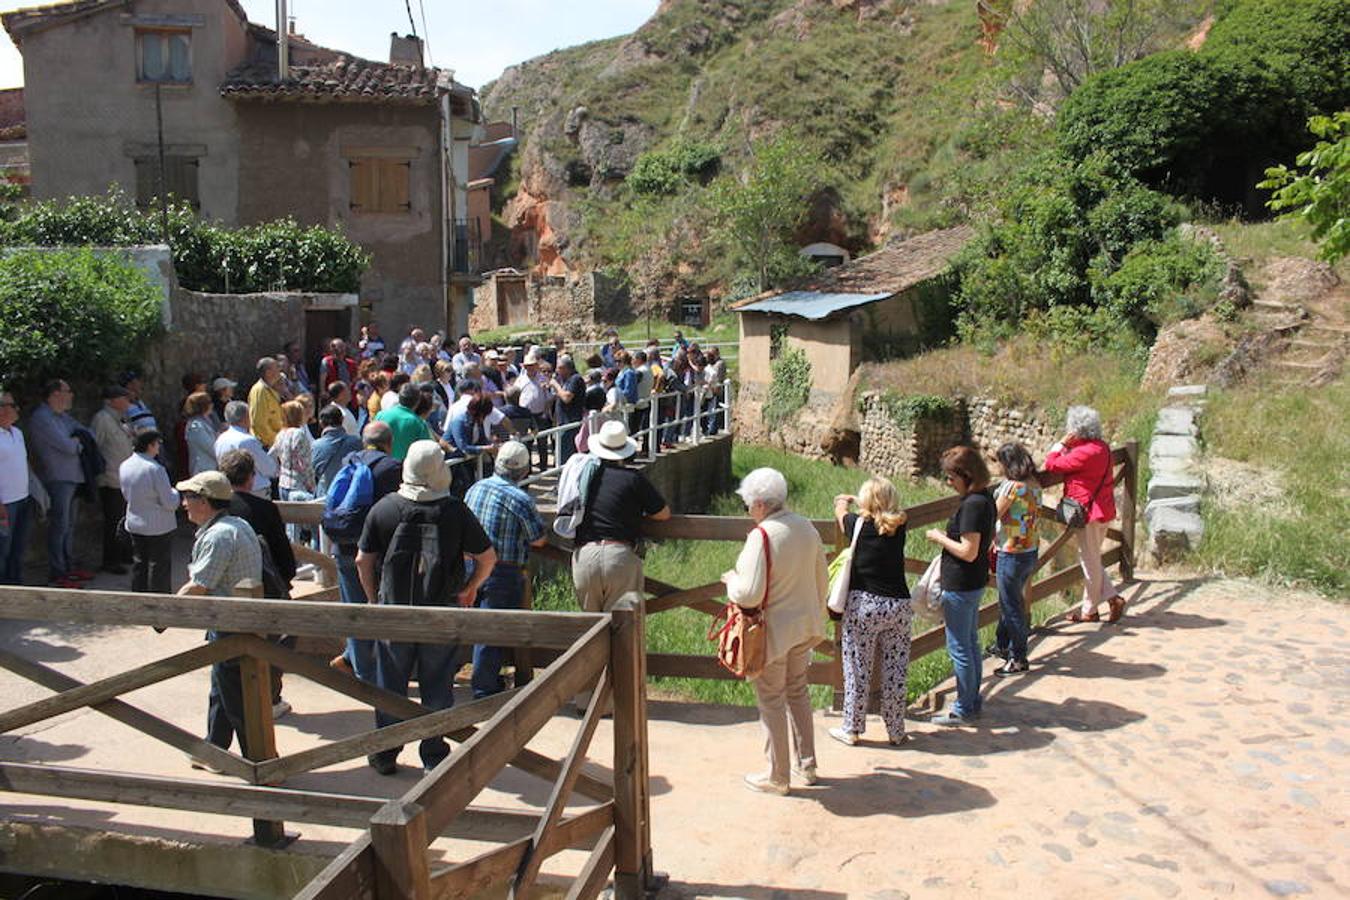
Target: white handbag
[839, 587]
[929, 589]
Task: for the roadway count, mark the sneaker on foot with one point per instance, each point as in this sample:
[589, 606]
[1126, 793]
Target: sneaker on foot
[280, 708]
[203, 765]
[844, 737]
[80, 574]
[806, 776]
[342, 664]
[949, 719]
[1012, 667]
[765, 785]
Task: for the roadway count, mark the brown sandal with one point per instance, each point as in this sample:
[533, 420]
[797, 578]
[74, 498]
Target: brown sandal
[1117, 604]
[1077, 616]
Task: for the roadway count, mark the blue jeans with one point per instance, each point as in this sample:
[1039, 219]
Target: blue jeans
[1013, 571]
[504, 589]
[961, 614]
[14, 540]
[360, 652]
[61, 528]
[435, 667]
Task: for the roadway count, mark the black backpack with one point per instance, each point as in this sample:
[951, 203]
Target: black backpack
[413, 571]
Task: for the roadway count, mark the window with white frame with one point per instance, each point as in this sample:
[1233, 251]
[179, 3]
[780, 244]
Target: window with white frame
[164, 56]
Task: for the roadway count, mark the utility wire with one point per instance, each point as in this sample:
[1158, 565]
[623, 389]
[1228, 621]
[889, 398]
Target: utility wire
[408, 5]
[426, 32]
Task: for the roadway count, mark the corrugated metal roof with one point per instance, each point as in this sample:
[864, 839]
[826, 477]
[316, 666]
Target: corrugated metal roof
[812, 305]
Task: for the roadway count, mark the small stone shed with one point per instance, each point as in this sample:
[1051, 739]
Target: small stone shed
[887, 304]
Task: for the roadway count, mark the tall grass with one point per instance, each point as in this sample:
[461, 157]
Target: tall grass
[1300, 434]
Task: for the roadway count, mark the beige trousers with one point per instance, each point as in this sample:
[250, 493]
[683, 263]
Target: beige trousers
[1097, 585]
[602, 575]
[784, 700]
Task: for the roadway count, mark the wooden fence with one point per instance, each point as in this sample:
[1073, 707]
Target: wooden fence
[390, 858]
[828, 669]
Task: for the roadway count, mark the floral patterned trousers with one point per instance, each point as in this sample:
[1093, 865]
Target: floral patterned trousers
[869, 620]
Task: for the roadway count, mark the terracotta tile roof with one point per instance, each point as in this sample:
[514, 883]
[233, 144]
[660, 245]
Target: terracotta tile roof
[347, 79]
[891, 270]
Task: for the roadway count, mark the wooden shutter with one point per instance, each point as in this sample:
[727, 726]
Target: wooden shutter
[365, 192]
[147, 182]
[380, 185]
[394, 188]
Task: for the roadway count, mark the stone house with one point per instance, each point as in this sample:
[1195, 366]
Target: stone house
[378, 148]
[880, 306]
[13, 138]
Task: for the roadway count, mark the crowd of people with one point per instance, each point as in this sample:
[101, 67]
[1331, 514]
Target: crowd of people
[781, 572]
[381, 425]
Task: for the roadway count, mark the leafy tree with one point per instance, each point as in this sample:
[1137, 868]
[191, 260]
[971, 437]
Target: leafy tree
[72, 314]
[1320, 195]
[757, 211]
[667, 171]
[1073, 40]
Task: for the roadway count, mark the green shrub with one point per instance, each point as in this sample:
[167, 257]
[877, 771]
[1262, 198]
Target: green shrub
[1320, 195]
[72, 314]
[666, 171]
[906, 410]
[789, 386]
[206, 257]
[1159, 281]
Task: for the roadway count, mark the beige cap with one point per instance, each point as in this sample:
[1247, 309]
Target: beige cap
[210, 484]
[425, 474]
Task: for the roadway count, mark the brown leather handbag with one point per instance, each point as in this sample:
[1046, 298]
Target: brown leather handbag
[743, 639]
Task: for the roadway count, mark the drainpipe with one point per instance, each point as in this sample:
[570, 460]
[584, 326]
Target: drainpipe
[447, 214]
[283, 43]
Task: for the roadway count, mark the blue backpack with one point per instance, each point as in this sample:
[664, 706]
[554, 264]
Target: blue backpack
[350, 497]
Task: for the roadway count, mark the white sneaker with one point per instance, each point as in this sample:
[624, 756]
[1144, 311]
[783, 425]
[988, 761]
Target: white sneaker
[844, 737]
[203, 765]
[806, 776]
[280, 708]
[765, 785]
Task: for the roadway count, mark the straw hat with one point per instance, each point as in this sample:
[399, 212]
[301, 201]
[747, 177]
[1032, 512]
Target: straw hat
[613, 442]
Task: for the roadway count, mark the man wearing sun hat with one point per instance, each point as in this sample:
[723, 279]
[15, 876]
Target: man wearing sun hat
[412, 551]
[225, 552]
[605, 563]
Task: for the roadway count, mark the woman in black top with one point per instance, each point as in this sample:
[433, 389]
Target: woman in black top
[964, 574]
[878, 609]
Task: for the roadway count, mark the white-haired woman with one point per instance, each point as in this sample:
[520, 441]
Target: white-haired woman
[1084, 459]
[878, 611]
[782, 570]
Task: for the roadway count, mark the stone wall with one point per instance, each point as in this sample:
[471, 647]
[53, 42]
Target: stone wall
[906, 452]
[991, 423]
[805, 433]
[692, 474]
[913, 451]
[574, 302]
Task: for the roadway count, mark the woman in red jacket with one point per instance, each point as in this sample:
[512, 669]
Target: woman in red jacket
[1084, 459]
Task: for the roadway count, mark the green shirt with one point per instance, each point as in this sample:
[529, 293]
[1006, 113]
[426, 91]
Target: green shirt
[407, 427]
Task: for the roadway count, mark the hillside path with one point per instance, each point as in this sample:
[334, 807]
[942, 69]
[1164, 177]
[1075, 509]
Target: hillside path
[1197, 749]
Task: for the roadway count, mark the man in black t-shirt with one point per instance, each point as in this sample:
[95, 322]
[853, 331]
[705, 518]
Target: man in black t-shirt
[412, 551]
[605, 565]
[570, 389]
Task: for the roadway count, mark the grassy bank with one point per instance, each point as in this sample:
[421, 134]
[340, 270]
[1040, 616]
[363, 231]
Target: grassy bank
[812, 486]
[1280, 485]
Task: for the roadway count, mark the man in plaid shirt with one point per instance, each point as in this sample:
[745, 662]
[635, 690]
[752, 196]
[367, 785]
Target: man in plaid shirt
[509, 516]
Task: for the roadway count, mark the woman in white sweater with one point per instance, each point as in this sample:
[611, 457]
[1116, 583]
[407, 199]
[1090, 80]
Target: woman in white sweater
[782, 569]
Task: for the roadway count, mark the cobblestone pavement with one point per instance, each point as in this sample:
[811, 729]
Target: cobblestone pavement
[1197, 749]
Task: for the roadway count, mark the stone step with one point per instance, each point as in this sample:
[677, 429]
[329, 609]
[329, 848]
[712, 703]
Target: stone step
[1306, 344]
[1277, 305]
[1179, 420]
[1303, 366]
[1166, 484]
[1330, 330]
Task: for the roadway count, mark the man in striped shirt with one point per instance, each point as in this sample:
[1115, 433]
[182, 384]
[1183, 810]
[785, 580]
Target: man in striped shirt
[511, 519]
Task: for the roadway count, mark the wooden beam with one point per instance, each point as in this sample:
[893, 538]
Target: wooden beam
[307, 554]
[122, 683]
[320, 672]
[500, 628]
[681, 665]
[593, 875]
[427, 724]
[1050, 552]
[134, 717]
[398, 834]
[216, 798]
[719, 528]
[632, 782]
[350, 876]
[487, 869]
[557, 801]
[702, 598]
[930, 512]
[446, 792]
[293, 512]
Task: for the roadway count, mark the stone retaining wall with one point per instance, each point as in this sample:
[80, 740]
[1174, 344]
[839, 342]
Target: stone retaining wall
[992, 423]
[1177, 481]
[804, 434]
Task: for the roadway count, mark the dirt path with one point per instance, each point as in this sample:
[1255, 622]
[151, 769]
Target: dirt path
[1196, 750]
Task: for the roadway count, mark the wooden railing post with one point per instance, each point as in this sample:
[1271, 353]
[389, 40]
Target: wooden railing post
[632, 806]
[1129, 512]
[398, 833]
[259, 740]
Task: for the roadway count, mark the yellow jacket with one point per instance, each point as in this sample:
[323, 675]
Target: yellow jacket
[264, 412]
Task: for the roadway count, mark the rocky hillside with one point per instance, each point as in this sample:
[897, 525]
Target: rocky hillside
[888, 92]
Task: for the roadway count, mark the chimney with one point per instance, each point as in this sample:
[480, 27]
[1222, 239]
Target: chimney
[283, 43]
[405, 51]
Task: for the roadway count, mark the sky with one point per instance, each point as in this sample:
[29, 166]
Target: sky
[477, 40]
